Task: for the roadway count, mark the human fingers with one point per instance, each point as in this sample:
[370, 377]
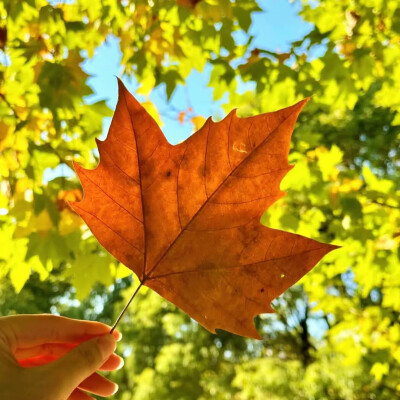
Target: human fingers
[79, 395]
[55, 350]
[82, 361]
[31, 330]
[113, 363]
[99, 385]
[48, 352]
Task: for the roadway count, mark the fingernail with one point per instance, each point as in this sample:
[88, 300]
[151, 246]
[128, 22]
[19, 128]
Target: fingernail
[107, 345]
[116, 389]
[121, 363]
[117, 335]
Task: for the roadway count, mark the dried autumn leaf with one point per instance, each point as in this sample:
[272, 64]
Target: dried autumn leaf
[186, 218]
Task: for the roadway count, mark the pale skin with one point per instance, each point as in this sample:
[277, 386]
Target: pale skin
[46, 357]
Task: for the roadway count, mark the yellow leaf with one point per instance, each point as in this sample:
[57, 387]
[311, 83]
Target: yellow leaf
[19, 274]
[350, 185]
[5, 135]
[69, 222]
[147, 83]
[197, 122]
[22, 185]
[152, 110]
[378, 370]
[119, 271]
[11, 162]
[327, 161]
[3, 168]
[40, 223]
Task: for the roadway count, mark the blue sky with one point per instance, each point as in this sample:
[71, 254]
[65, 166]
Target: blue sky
[273, 29]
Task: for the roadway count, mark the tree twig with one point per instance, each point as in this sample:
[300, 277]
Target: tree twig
[11, 107]
[385, 204]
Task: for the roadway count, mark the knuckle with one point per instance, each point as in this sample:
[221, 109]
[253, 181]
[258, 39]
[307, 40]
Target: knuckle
[50, 321]
[89, 354]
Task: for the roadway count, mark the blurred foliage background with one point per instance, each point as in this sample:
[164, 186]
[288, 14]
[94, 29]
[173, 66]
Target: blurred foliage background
[336, 334]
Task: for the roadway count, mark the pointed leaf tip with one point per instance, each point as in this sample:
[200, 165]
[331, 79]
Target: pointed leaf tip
[185, 218]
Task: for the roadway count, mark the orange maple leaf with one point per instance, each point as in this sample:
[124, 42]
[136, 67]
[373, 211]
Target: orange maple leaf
[186, 218]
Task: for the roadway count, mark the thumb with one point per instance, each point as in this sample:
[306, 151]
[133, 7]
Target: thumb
[82, 361]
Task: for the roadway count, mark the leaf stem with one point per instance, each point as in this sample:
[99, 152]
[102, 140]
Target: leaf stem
[126, 307]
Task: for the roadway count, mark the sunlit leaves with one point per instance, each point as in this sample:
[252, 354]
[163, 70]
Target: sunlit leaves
[348, 63]
[95, 267]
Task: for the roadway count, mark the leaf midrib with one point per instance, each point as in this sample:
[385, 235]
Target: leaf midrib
[141, 193]
[147, 276]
